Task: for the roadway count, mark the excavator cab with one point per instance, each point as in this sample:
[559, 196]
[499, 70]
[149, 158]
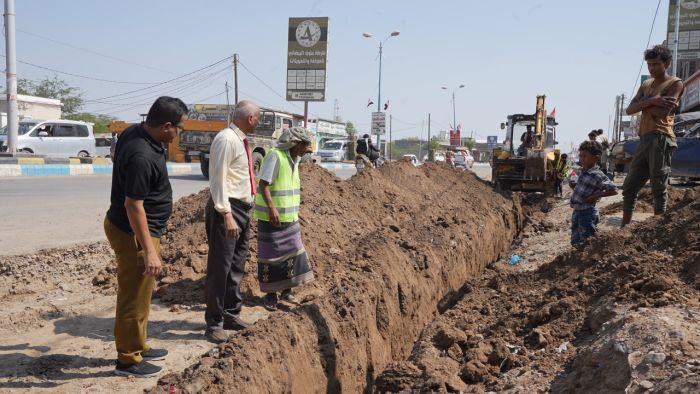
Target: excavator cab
[527, 162]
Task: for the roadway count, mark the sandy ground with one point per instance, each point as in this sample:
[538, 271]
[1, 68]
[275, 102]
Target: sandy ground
[56, 326]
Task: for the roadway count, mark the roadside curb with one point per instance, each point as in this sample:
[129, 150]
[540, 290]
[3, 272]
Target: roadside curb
[337, 166]
[71, 168]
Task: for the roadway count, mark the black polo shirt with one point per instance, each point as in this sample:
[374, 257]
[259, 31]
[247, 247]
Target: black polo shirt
[140, 172]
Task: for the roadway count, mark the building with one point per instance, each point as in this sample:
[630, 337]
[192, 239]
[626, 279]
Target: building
[33, 108]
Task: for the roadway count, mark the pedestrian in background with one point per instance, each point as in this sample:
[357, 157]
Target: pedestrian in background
[590, 185]
[282, 259]
[227, 221]
[141, 203]
[657, 99]
[563, 168]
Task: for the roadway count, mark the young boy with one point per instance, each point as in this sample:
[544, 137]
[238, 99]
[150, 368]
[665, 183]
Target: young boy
[590, 186]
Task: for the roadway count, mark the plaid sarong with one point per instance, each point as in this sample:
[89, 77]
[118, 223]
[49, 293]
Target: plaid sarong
[282, 259]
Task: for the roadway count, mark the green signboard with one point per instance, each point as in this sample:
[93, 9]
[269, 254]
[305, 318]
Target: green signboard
[307, 55]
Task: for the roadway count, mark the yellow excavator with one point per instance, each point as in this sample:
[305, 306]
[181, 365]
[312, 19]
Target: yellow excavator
[532, 166]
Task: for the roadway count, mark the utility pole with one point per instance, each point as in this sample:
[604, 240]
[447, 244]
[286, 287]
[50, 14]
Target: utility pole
[420, 143]
[228, 106]
[235, 78]
[11, 76]
[616, 137]
[676, 38]
[620, 112]
[390, 138]
[454, 116]
[431, 154]
[336, 111]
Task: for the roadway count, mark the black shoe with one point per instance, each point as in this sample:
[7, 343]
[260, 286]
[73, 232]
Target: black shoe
[270, 302]
[235, 322]
[154, 354]
[141, 370]
[288, 295]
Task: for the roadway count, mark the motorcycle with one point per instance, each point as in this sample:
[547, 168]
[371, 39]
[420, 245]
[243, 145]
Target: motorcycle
[362, 162]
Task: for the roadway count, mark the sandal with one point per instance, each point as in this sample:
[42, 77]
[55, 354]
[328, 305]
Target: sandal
[270, 302]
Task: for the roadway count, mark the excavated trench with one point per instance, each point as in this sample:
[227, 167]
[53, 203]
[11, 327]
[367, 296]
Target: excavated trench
[390, 248]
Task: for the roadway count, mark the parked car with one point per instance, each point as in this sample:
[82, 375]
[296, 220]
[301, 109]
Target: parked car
[464, 160]
[333, 150]
[103, 146]
[411, 159]
[58, 138]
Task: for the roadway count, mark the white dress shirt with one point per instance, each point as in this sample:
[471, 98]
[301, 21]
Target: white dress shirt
[229, 176]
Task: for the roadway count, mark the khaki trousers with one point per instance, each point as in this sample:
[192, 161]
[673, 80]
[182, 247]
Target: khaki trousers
[133, 295]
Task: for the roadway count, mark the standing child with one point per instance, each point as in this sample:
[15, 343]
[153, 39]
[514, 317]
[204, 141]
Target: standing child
[590, 186]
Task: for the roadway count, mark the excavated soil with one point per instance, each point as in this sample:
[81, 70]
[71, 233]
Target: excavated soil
[645, 201]
[619, 314]
[390, 248]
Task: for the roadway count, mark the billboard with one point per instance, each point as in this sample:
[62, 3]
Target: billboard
[492, 141]
[307, 55]
[689, 36]
[209, 111]
[455, 139]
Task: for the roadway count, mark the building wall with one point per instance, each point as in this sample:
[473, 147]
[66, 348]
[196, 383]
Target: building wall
[30, 109]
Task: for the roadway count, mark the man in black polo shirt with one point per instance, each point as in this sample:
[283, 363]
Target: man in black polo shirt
[141, 203]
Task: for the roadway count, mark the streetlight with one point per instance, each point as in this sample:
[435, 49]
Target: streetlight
[381, 48]
[454, 111]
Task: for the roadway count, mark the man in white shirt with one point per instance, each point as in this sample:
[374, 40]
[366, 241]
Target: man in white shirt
[227, 219]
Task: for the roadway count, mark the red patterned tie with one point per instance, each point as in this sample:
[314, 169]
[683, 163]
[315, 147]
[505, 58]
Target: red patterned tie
[250, 167]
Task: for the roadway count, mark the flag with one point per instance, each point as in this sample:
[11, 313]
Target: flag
[554, 112]
[369, 102]
[386, 105]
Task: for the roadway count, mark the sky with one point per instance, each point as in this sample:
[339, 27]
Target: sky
[580, 54]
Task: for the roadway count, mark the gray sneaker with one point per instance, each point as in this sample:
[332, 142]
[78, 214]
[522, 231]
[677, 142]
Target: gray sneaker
[216, 335]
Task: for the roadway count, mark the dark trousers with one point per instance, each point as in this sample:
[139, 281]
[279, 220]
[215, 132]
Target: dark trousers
[584, 224]
[225, 263]
[651, 162]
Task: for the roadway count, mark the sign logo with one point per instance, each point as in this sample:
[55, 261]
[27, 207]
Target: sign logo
[308, 33]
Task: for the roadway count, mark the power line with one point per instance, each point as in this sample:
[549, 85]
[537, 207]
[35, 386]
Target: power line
[179, 91]
[162, 83]
[275, 91]
[81, 76]
[208, 98]
[155, 92]
[92, 51]
[651, 30]
[262, 82]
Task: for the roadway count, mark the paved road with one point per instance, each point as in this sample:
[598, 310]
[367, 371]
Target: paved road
[48, 212]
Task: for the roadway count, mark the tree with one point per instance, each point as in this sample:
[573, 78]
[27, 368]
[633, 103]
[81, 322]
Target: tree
[352, 133]
[100, 122]
[470, 143]
[54, 88]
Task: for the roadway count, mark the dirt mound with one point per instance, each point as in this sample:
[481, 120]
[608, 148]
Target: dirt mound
[31, 284]
[390, 247]
[645, 201]
[619, 313]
